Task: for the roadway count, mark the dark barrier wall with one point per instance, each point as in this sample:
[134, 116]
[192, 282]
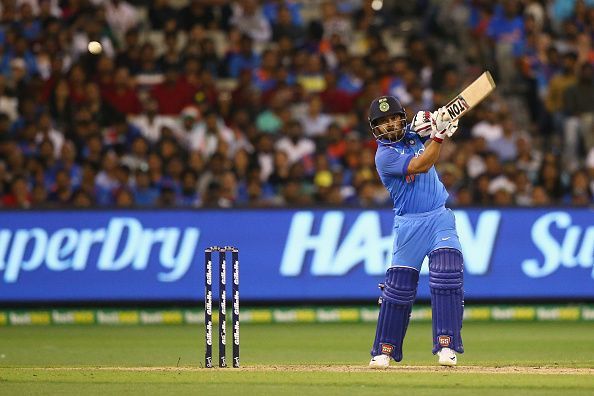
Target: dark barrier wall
[296, 255]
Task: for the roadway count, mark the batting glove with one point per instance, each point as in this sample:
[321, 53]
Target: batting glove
[442, 125]
[452, 128]
[422, 123]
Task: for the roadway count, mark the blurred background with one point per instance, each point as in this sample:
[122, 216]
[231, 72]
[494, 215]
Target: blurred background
[241, 107]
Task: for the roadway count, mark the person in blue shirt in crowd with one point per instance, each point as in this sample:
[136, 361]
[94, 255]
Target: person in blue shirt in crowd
[405, 161]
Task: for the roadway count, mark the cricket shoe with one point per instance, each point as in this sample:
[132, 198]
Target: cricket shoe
[380, 362]
[447, 357]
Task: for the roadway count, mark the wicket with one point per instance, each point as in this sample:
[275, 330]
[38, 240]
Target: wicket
[222, 304]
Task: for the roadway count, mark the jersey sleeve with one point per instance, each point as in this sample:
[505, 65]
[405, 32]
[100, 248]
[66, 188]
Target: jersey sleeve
[391, 162]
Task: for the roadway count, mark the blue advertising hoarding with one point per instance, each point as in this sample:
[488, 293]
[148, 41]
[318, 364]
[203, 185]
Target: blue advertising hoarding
[285, 255]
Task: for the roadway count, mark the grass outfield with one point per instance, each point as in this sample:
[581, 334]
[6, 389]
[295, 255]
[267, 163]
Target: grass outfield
[530, 358]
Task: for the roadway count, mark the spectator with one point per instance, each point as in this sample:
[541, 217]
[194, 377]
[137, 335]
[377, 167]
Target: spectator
[557, 86]
[550, 180]
[121, 16]
[490, 127]
[144, 193]
[207, 135]
[315, 122]
[523, 189]
[61, 192]
[150, 122]
[8, 103]
[249, 20]
[579, 191]
[124, 198]
[106, 180]
[311, 77]
[188, 195]
[284, 26]
[160, 12]
[270, 120]
[101, 112]
[579, 107]
[505, 146]
[197, 13]
[129, 53]
[121, 94]
[294, 144]
[244, 58]
[173, 94]
[143, 125]
[335, 24]
[19, 195]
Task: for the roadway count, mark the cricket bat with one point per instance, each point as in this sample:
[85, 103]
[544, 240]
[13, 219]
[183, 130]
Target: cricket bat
[471, 96]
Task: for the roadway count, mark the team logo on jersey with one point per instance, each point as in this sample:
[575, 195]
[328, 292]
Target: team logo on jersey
[387, 349]
[383, 105]
[410, 178]
[411, 142]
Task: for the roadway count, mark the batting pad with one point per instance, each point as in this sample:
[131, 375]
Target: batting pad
[447, 298]
[399, 292]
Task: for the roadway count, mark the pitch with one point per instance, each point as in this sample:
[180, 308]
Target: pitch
[330, 359]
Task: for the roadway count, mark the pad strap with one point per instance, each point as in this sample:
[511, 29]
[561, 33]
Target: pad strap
[398, 295]
[447, 298]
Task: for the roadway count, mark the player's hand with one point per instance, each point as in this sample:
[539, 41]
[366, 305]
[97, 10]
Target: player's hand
[440, 119]
[422, 123]
[442, 125]
[452, 128]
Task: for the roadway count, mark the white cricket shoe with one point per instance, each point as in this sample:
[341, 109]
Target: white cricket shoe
[380, 361]
[447, 357]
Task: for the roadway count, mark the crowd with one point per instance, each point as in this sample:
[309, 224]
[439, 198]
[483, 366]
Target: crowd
[213, 103]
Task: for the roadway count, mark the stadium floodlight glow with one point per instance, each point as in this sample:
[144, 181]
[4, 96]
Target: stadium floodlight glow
[377, 5]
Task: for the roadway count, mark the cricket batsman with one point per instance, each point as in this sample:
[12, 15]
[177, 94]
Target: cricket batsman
[405, 161]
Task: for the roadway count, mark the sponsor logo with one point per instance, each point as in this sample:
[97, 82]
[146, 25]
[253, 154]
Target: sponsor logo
[209, 303]
[444, 341]
[123, 244]
[561, 243]
[236, 303]
[387, 349]
[327, 246]
[209, 272]
[457, 107]
[236, 333]
[223, 272]
[236, 273]
[209, 333]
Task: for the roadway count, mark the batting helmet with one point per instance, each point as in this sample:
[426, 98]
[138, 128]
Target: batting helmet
[386, 107]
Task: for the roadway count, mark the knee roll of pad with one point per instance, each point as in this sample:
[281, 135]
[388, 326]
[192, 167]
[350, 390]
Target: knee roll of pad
[398, 295]
[447, 298]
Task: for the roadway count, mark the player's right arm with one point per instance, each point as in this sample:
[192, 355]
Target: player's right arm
[425, 160]
[394, 163]
[441, 127]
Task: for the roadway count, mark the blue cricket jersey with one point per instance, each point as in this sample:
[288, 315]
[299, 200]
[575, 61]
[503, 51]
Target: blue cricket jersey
[410, 193]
